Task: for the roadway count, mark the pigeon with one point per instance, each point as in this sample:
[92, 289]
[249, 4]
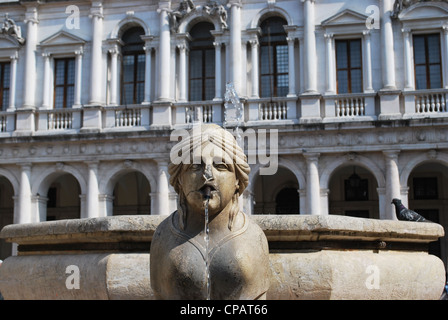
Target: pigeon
[406, 214]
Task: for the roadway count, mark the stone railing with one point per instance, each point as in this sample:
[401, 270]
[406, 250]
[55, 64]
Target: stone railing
[3, 122]
[201, 111]
[127, 117]
[425, 103]
[349, 106]
[59, 119]
[273, 110]
[430, 102]
[257, 111]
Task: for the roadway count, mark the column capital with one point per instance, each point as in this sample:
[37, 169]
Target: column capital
[31, 14]
[391, 154]
[328, 36]
[96, 11]
[445, 29]
[311, 156]
[406, 31]
[79, 52]
[14, 56]
[183, 47]
[162, 162]
[367, 33]
[25, 165]
[312, 1]
[114, 50]
[93, 164]
[236, 3]
[254, 42]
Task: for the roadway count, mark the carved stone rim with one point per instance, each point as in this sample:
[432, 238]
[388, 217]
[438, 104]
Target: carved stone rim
[284, 228]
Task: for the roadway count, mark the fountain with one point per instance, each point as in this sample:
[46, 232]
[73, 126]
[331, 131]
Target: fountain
[237, 264]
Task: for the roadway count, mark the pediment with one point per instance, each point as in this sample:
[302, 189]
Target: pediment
[346, 17]
[8, 42]
[425, 11]
[62, 38]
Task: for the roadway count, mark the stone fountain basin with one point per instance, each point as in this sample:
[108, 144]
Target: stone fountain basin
[311, 257]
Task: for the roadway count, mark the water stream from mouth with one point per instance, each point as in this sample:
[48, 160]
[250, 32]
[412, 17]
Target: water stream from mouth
[207, 244]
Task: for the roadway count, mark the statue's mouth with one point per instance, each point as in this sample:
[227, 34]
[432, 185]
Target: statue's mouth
[207, 190]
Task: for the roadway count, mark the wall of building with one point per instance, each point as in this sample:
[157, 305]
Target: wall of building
[107, 158]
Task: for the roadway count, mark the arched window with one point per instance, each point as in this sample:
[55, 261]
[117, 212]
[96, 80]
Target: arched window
[133, 67]
[274, 68]
[201, 78]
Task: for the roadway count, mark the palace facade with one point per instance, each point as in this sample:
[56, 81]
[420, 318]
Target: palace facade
[90, 92]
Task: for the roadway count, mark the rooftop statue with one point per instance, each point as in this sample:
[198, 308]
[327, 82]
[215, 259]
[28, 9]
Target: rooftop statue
[209, 180]
[400, 5]
[10, 28]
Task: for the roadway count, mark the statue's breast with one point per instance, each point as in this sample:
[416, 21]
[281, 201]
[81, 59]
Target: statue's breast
[234, 266]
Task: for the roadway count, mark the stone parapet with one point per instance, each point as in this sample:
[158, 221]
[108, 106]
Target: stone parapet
[311, 257]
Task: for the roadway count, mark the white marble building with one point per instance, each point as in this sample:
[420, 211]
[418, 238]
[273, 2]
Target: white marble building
[90, 92]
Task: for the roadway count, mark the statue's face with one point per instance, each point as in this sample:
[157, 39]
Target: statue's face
[216, 172]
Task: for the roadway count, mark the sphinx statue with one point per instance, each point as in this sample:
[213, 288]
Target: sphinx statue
[214, 172]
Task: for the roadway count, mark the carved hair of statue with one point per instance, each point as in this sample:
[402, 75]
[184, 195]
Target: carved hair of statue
[197, 140]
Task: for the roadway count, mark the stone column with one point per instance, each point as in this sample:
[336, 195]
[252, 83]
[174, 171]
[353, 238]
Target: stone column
[78, 79]
[393, 189]
[310, 47]
[40, 206]
[292, 68]
[148, 65]
[445, 54]
[182, 72]
[154, 205]
[46, 101]
[330, 68]
[163, 202]
[92, 199]
[387, 44]
[25, 213]
[302, 201]
[96, 71]
[29, 90]
[164, 70]
[408, 67]
[254, 45]
[12, 82]
[114, 89]
[382, 202]
[312, 183]
[218, 71]
[235, 44]
[368, 86]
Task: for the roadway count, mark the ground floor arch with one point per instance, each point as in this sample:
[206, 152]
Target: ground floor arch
[62, 200]
[6, 213]
[276, 194]
[427, 194]
[131, 194]
[353, 191]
